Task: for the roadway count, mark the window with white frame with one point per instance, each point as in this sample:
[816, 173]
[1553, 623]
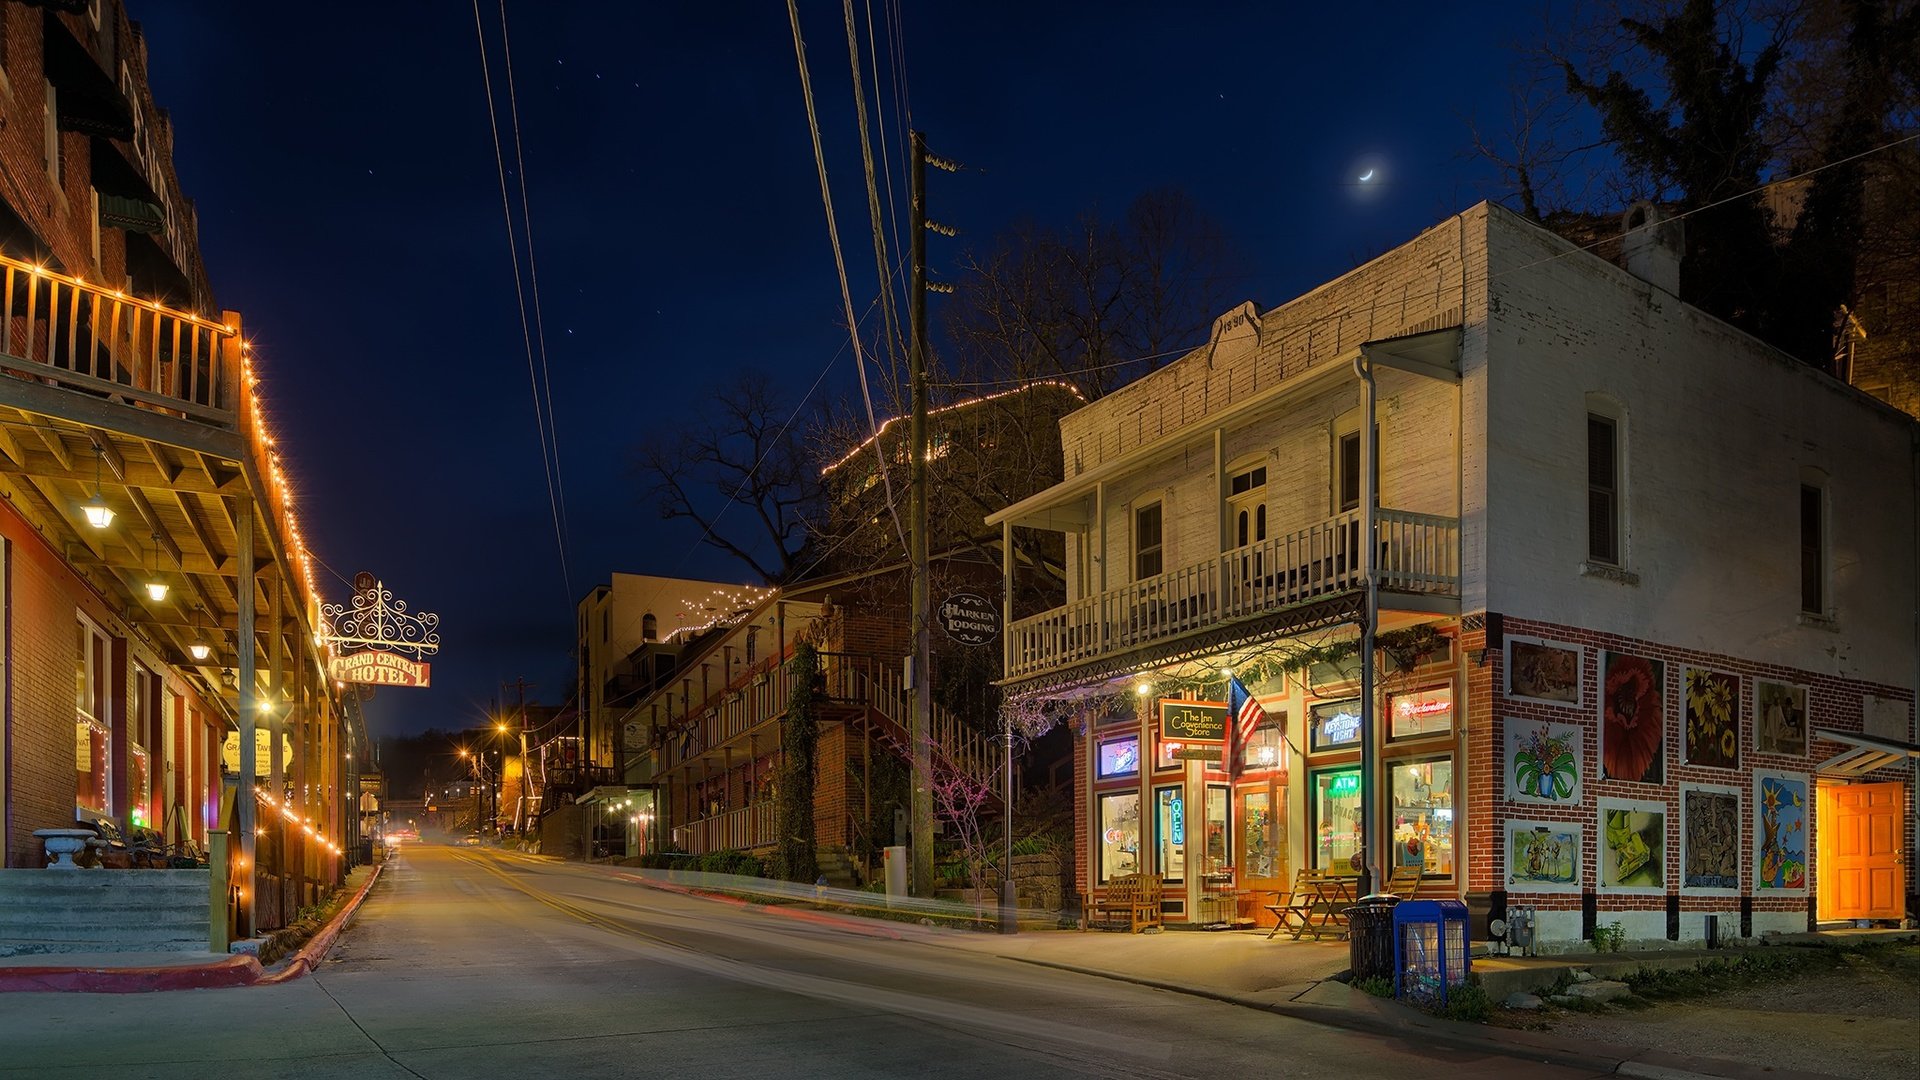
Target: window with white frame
[93, 737]
[1147, 542]
[1603, 489]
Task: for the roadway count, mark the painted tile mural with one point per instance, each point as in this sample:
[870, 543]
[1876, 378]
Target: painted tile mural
[1633, 845]
[1711, 700]
[1779, 718]
[1542, 762]
[1633, 723]
[1543, 671]
[1780, 833]
[1543, 856]
[1709, 838]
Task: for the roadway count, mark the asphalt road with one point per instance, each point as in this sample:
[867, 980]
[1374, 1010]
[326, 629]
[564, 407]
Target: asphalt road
[472, 964]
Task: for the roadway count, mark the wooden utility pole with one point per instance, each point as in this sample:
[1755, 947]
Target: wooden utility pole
[920, 701]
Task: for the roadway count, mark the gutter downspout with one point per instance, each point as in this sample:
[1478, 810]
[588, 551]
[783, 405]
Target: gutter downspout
[1913, 764]
[1371, 846]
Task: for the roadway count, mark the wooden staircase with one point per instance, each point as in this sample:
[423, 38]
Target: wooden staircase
[879, 709]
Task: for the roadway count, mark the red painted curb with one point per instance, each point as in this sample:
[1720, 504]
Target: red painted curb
[227, 972]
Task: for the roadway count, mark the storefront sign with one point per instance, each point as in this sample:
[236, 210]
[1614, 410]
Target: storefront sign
[1197, 753]
[1421, 712]
[379, 669]
[1343, 785]
[969, 619]
[262, 752]
[1194, 721]
[1336, 724]
[1177, 820]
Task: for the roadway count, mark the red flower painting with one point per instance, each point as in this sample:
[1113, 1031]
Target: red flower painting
[1633, 731]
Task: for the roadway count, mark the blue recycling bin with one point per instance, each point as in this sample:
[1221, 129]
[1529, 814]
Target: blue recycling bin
[1430, 952]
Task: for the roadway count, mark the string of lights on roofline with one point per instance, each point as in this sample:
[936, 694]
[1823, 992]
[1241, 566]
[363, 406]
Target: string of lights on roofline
[724, 607]
[100, 516]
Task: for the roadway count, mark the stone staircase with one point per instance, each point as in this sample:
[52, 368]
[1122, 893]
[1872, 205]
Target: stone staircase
[838, 867]
[102, 911]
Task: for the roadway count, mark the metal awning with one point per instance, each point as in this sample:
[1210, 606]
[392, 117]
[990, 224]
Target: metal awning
[1864, 754]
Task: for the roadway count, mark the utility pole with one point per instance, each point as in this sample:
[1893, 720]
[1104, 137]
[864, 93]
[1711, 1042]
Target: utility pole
[920, 701]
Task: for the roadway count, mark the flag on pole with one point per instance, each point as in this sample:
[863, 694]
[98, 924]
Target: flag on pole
[1247, 716]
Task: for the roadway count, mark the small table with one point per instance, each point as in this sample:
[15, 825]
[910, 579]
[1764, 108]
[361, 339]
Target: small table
[62, 844]
[1315, 905]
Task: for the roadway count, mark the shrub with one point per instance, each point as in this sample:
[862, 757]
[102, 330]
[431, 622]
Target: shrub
[1609, 938]
[1468, 1002]
[1377, 985]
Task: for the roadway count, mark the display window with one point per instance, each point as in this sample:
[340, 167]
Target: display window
[1336, 724]
[1335, 802]
[1170, 834]
[139, 784]
[1260, 837]
[1163, 751]
[1419, 713]
[1423, 815]
[1119, 847]
[1119, 757]
[1219, 832]
[1267, 749]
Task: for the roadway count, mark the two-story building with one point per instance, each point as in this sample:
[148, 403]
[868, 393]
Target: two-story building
[1645, 595]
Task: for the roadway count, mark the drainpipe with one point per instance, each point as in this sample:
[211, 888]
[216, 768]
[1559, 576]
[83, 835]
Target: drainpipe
[1913, 764]
[1371, 846]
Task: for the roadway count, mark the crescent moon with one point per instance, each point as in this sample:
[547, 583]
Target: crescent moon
[1366, 176]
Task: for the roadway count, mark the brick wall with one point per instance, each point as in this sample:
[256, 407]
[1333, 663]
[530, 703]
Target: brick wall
[1833, 703]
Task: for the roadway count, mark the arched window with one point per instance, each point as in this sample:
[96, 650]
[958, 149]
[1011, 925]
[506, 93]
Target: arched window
[649, 627]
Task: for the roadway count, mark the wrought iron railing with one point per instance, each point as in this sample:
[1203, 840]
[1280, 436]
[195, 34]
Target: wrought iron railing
[1419, 553]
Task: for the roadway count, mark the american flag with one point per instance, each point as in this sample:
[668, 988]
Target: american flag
[1247, 716]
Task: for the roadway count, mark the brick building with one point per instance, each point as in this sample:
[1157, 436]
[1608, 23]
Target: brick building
[1644, 586]
[159, 598]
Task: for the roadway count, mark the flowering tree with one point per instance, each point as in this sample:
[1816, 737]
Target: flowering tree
[958, 801]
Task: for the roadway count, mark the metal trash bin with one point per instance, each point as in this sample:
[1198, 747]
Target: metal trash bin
[1370, 936]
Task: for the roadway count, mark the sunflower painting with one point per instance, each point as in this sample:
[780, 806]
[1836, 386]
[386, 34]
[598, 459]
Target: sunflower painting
[1633, 728]
[1712, 702]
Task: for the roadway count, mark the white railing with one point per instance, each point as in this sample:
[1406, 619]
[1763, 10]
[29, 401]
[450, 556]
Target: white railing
[736, 830]
[1419, 553]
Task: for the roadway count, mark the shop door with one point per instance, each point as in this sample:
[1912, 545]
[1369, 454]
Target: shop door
[1263, 851]
[1862, 875]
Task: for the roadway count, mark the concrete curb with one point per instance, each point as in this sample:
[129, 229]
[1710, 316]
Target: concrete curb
[863, 927]
[226, 972]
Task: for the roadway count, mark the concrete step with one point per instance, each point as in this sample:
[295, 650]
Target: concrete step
[24, 925]
[41, 947]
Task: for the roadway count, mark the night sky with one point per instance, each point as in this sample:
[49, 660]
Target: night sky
[342, 164]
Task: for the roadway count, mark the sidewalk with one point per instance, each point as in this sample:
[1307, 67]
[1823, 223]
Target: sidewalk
[137, 973]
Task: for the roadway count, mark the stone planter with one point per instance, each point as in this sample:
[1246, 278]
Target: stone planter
[63, 845]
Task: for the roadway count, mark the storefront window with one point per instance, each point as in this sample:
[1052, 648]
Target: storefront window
[91, 765]
[1170, 827]
[1119, 757]
[1336, 819]
[1266, 750]
[138, 786]
[1219, 837]
[1423, 815]
[1119, 834]
[1259, 835]
[1420, 712]
[1336, 724]
[1163, 751]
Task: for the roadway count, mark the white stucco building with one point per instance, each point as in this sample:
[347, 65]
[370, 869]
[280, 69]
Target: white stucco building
[1646, 587]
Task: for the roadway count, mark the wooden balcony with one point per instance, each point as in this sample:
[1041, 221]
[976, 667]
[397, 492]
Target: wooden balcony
[1419, 554]
[744, 829]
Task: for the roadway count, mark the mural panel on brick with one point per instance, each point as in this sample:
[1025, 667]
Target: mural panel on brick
[1780, 842]
[1633, 846]
[1779, 718]
[1543, 762]
[1633, 725]
[1712, 704]
[1543, 856]
[1710, 838]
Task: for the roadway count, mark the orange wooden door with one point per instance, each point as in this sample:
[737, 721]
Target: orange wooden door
[1862, 871]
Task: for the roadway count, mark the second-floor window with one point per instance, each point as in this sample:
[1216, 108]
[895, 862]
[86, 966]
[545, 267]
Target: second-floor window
[1813, 550]
[1603, 489]
[1247, 506]
[1146, 542]
[1347, 471]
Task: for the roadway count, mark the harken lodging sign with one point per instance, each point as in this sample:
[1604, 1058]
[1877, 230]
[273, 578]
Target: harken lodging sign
[379, 669]
[969, 619]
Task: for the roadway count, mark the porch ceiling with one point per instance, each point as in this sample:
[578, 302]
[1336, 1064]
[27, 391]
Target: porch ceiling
[1864, 754]
[175, 486]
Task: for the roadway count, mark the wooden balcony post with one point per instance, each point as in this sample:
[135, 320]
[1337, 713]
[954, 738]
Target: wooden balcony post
[227, 378]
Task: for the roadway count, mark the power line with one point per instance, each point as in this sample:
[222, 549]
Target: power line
[526, 332]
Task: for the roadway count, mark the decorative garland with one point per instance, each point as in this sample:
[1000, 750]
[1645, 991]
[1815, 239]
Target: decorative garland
[1033, 715]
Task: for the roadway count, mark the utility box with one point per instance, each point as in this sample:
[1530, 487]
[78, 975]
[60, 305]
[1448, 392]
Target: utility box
[1430, 952]
[895, 860]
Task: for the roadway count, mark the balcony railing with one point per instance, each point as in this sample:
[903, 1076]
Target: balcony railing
[106, 342]
[736, 830]
[1419, 553]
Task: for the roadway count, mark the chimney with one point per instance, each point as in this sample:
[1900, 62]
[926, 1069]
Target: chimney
[1652, 244]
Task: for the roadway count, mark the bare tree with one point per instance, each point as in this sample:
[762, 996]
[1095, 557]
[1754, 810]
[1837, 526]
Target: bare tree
[742, 475]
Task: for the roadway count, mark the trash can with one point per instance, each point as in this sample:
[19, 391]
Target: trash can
[1370, 936]
[1430, 952]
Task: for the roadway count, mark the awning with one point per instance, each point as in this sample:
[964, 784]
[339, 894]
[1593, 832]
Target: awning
[133, 215]
[88, 99]
[1864, 754]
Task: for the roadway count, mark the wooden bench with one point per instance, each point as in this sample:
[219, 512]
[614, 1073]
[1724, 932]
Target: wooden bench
[1137, 896]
